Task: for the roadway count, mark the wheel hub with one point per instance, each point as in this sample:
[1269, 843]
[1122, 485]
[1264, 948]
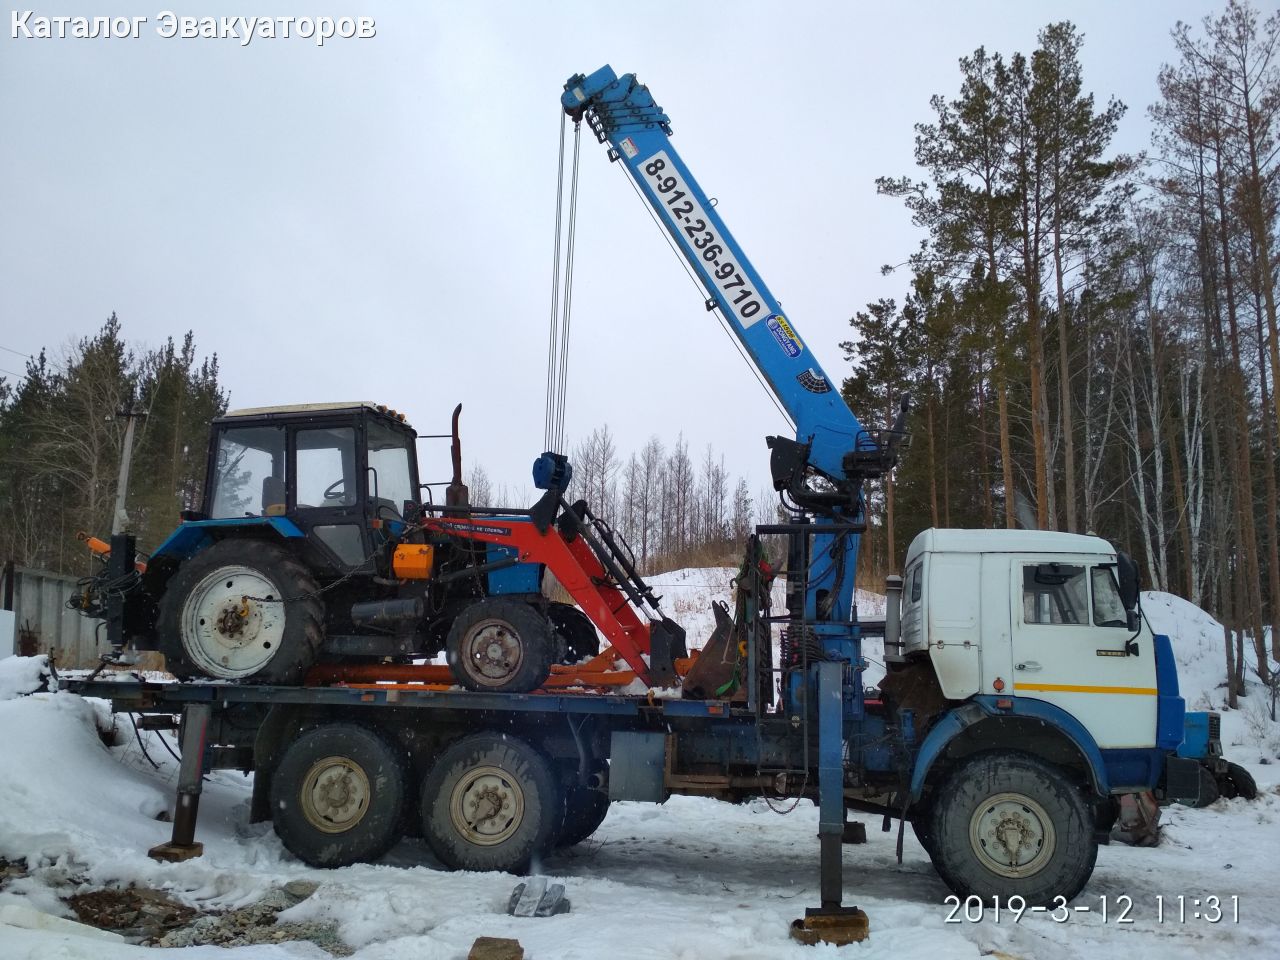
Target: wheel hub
[1012, 834]
[232, 622]
[335, 794]
[494, 651]
[486, 806]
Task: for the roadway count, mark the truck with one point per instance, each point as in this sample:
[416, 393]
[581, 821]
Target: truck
[1024, 692]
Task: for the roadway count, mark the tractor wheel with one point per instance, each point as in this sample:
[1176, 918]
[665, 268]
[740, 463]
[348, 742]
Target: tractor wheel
[1011, 825]
[1238, 782]
[337, 796]
[584, 811]
[242, 609]
[1209, 788]
[501, 645]
[579, 633]
[491, 802]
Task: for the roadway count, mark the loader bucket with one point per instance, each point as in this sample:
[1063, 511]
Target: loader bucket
[717, 664]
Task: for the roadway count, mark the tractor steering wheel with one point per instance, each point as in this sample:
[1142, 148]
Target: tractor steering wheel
[333, 490]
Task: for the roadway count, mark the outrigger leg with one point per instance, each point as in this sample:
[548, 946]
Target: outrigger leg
[832, 922]
[183, 844]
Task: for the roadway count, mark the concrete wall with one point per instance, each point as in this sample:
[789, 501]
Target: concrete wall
[41, 618]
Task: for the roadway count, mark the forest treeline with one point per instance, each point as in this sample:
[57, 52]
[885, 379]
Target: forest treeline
[62, 430]
[1090, 338]
[674, 509]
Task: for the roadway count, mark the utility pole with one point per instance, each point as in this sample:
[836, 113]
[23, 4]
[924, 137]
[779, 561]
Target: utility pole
[119, 518]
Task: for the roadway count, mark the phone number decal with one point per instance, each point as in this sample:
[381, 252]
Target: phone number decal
[689, 222]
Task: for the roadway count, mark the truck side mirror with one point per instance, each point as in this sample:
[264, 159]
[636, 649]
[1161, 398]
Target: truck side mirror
[1127, 574]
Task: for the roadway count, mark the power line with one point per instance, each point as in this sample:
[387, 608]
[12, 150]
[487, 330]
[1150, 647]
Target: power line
[12, 373]
[18, 352]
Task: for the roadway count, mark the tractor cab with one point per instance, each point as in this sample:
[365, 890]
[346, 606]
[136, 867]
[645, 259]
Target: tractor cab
[343, 474]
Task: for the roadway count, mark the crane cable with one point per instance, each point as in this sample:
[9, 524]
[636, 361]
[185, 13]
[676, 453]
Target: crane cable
[561, 298]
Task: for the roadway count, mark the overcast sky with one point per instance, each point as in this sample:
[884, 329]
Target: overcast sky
[374, 219]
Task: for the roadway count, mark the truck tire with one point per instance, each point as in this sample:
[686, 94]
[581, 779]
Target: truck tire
[501, 645]
[491, 802]
[242, 609]
[1238, 782]
[338, 796]
[579, 633]
[1009, 824]
[584, 811]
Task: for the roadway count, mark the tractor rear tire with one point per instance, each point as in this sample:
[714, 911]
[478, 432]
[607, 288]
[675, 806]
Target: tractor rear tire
[502, 646]
[1009, 824]
[338, 796]
[491, 802]
[242, 609]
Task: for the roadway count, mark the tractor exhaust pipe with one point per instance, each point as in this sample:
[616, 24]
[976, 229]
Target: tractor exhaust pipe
[457, 494]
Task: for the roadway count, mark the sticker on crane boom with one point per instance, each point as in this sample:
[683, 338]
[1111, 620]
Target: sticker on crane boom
[813, 381]
[701, 239]
[628, 147]
[785, 336]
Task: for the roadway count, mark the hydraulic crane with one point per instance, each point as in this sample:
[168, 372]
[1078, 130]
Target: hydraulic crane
[820, 473]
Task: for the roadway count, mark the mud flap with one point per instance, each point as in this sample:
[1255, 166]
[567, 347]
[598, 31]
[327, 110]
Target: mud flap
[666, 645]
[717, 664]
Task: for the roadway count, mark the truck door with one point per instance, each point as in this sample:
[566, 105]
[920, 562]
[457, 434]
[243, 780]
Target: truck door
[1069, 648]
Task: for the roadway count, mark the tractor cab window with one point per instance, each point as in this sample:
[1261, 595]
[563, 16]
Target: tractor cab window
[1108, 608]
[248, 475]
[326, 467]
[1055, 593]
[390, 483]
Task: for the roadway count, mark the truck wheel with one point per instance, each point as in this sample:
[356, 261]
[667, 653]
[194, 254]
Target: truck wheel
[584, 811]
[491, 802]
[580, 637]
[243, 608]
[337, 796]
[500, 645]
[1011, 825]
[1238, 782]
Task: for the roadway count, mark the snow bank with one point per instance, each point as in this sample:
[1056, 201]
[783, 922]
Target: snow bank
[22, 675]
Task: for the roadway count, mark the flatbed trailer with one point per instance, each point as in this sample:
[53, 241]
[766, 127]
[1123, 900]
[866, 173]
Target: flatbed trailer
[567, 755]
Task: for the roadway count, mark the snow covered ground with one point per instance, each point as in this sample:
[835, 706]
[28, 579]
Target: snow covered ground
[690, 879]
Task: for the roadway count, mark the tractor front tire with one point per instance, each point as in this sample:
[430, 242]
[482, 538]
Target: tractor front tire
[491, 802]
[244, 609]
[1008, 825]
[502, 646]
[1238, 782]
[579, 633]
[338, 796]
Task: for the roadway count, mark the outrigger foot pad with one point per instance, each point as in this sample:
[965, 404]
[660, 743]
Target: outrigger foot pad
[838, 925]
[176, 852]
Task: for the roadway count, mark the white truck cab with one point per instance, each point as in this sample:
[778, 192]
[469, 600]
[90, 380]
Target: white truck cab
[1032, 614]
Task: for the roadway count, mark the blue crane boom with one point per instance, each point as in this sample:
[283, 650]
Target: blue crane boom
[830, 441]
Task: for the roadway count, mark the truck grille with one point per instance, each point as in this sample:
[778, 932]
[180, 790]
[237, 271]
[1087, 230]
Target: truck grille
[1215, 727]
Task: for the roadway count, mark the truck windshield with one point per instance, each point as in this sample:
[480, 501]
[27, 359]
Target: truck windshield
[390, 482]
[248, 474]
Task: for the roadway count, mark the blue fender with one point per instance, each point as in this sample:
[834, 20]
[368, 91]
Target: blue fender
[983, 707]
[194, 535]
